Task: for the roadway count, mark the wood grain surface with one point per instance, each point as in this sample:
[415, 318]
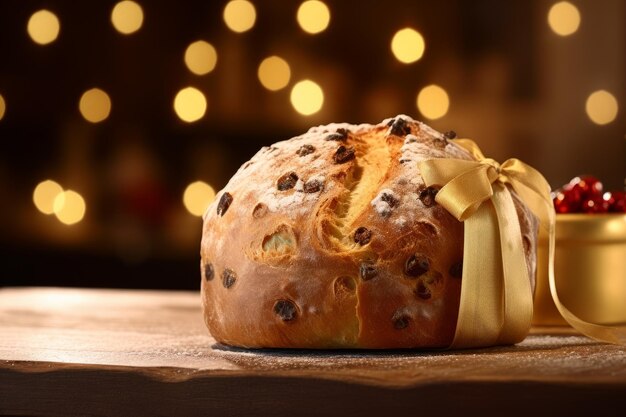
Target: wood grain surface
[66, 352]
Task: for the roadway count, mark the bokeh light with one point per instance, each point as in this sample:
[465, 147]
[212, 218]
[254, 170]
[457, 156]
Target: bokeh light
[44, 195]
[433, 102]
[3, 106]
[601, 107]
[408, 45]
[127, 17]
[274, 73]
[95, 105]
[69, 207]
[43, 27]
[307, 97]
[197, 197]
[200, 57]
[313, 16]
[239, 15]
[564, 18]
[190, 104]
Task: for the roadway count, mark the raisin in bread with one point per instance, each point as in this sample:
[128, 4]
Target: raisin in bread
[332, 240]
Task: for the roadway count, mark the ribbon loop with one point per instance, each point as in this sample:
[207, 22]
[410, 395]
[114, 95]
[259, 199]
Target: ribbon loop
[462, 195]
[465, 184]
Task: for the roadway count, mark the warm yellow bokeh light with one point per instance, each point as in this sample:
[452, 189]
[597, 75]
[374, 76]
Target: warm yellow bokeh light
[127, 17]
[69, 207]
[274, 73]
[407, 45]
[601, 107]
[307, 97]
[43, 27]
[313, 16]
[197, 197]
[3, 107]
[95, 105]
[200, 57]
[190, 104]
[239, 15]
[44, 195]
[564, 18]
[433, 102]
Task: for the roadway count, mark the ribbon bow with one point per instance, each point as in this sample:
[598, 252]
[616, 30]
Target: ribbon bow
[496, 304]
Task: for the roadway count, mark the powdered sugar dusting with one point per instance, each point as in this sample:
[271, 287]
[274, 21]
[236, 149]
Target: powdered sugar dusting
[430, 131]
[400, 221]
[557, 358]
[321, 179]
[332, 127]
[318, 163]
[290, 202]
[382, 201]
[401, 116]
[421, 143]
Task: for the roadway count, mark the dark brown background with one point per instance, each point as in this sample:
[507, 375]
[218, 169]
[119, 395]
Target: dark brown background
[515, 87]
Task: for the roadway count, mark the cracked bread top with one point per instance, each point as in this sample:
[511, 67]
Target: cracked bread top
[331, 239]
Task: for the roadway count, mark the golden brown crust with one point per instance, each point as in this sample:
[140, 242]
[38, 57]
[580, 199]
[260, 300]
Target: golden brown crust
[331, 240]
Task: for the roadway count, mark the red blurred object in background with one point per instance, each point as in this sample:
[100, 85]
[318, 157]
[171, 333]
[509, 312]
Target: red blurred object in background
[565, 201]
[586, 186]
[594, 205]
[584, 194]
[589, 189]
[616, 201]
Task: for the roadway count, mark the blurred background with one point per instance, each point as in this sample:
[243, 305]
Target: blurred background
[120, 120]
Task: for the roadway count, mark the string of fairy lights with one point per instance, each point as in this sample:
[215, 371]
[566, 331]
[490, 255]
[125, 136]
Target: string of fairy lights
[200, 57]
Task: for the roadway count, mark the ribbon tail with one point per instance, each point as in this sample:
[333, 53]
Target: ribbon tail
[518, 295]
[480, 316]
[604, 333]
[496, 298]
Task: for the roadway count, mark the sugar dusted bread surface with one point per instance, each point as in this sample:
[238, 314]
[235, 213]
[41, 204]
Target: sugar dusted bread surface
[332, 240]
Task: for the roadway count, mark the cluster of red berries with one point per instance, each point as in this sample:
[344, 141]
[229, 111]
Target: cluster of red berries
[585, 195]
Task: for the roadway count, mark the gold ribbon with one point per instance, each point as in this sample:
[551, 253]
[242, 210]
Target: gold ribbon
[496, 298]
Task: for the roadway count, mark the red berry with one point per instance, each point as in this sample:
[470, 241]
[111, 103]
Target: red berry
[616, 201]
[609, 197]
[561, 204]
[594, 205]
[566, 200]
[574, 197]
[587, 186]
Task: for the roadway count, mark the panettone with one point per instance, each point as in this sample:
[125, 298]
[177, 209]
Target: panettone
[332, 240]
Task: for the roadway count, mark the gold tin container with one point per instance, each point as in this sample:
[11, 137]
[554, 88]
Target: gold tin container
[589, 269]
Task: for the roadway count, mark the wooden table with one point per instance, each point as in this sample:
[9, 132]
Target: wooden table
[67, 352]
